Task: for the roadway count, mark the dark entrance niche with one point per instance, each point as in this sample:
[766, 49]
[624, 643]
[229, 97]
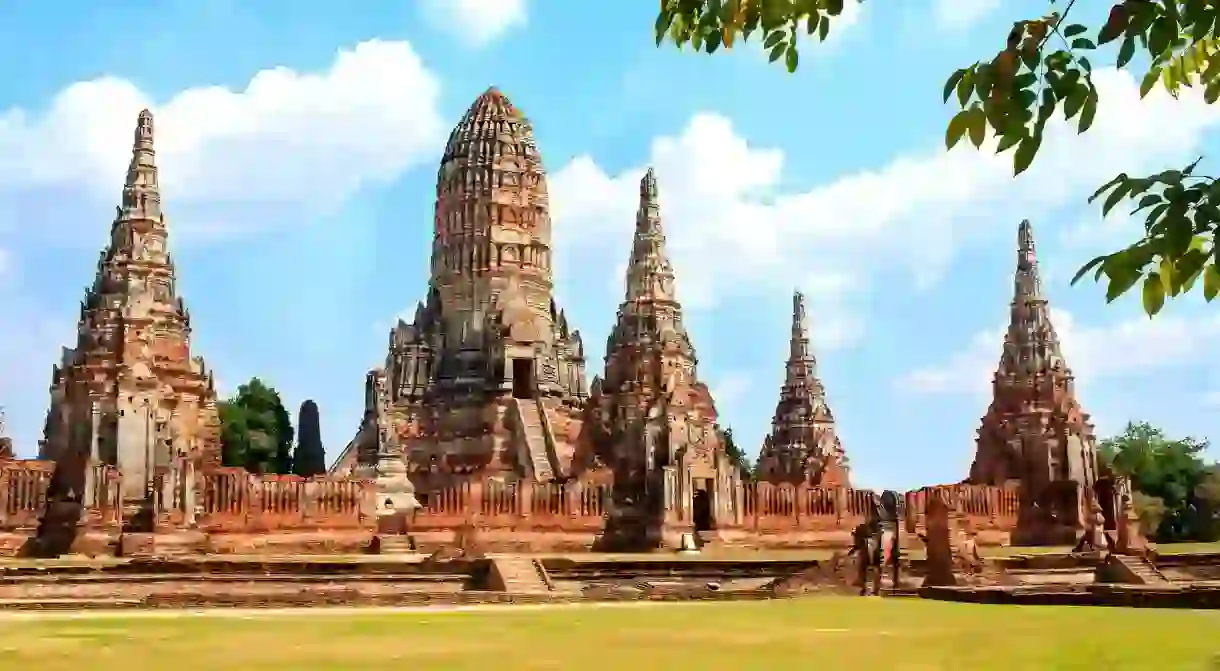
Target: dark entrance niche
[1104, 491]
[523, 378]
[701, 505]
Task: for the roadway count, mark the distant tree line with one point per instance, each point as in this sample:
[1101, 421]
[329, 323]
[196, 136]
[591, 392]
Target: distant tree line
[257, 433]
[1176, 489]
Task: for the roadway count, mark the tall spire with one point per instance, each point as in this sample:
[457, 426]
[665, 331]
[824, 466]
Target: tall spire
[803, 445]
[1035, 430]
[141, 189]
[649, 272]
[801, 363]
[1031, 346]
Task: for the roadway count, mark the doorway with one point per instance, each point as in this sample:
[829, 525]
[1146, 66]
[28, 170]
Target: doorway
[701, 506]
[523, 378]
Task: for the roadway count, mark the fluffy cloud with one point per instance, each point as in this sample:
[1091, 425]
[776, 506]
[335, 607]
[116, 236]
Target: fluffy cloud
[307, 140]
[1132, 347]
[734, 230]
[477, 22]
[959, 15]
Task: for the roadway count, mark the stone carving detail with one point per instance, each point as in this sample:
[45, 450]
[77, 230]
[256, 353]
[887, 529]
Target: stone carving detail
[1034, 431]
[803, 445]
[130, 394]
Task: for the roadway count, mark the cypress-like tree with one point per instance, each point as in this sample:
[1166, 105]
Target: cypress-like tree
[310, 457]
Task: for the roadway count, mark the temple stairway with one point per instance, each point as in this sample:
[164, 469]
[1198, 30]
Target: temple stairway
[1142, 571]
[517, 575]
[533, 432]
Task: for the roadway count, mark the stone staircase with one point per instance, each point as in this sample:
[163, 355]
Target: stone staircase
[533, 431]
[518, 575]
[1133, 570]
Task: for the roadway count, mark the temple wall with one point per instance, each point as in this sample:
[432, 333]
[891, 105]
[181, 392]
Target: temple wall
[228, 511]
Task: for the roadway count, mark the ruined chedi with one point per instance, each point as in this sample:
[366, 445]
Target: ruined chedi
[129, 393]
[487, 376]
[1035, 432]
[803, 446]
[655, 421]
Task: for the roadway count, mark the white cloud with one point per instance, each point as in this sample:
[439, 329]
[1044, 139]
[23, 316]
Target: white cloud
[1122, 349]
[290, 141]
[477, 22]
[733, 230]
[959, 15]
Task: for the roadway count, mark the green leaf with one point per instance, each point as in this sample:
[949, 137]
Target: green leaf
[952, 82]
[1074, 101]
[1007, 142]
[1088, 112]
[1074, 30]
[1087, 267]
[1211, 282]
[1120, 177]
[823, 30]
[776, 52]
[773, 39]
[1153, 294]
[661, 27]
[976, 124]
[1120, 191]
[1122, 277]
[1026, 150]
[958, 126]
[1126, 52]
[1150, 79]
[791, 57]
[1083, 43]
[964, 86]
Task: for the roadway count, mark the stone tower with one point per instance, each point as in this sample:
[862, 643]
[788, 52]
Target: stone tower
[487, 375]
[803, 445]
[129, 393]
[656, 420]
[1035, 432]
[6, 443]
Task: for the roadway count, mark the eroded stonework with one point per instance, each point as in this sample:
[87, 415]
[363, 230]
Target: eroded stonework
[803, 445]
[488, 376]
[1035, 431]
[655, 421]
[129, 394]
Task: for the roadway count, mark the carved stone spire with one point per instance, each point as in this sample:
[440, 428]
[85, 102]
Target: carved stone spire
[1031, 346]
[650, 276]
[803, 445]
[6, 444]
[1035, 431]
[130, 393]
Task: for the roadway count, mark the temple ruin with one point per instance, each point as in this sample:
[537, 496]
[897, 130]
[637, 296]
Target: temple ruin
[1035, 435]
[480, 424]
[803, 445]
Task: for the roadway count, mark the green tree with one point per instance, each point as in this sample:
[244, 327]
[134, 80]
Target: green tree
[736, 454]
[310, 457]
[1179, 491]
[256, 431]
[1045, 66]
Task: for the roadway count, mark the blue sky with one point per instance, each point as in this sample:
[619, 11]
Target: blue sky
[298, 144]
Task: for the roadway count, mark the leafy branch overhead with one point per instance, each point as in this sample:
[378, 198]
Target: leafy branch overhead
[1046, 66]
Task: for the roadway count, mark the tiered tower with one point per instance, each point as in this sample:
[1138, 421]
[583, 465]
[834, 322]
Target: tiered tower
[803, 445]
[6, 443]
[487, 376]
[1035, 431]
[129, 393]
[657, 421]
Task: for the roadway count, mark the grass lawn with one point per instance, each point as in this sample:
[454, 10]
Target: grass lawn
[820, 632]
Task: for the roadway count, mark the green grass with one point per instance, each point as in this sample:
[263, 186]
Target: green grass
[819, 632]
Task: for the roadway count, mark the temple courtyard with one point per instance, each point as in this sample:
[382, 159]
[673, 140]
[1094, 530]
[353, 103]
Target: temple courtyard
[829, 631]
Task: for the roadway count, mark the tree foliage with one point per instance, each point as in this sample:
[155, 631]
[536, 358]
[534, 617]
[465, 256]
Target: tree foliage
[310, 457]
[256, 431]
[736, 454]
[1177, 492]
[1045, 66]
